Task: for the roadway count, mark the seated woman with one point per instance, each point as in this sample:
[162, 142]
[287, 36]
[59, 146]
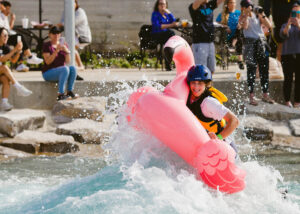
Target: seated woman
[82, 30]
[56, 57]
[162, 19]
[218, 120]
[6, 76]
[230, 18]
[5, 8]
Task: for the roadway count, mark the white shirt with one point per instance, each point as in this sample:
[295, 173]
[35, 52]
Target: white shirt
[212, 108]
[4, 22]
[82, 28]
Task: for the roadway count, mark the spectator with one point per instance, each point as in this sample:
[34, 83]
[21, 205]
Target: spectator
[203, 46]
[6, 76]
[5, 7]
[162, 20]
[230, 18]
[82, 30]
[56, 57]
[280, 14]
[290, 59]
[255, 49]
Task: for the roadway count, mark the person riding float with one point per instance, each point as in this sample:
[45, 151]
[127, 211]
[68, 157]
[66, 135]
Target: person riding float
[206, 103]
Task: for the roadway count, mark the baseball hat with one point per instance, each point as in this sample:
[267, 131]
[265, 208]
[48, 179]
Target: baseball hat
[55, 30]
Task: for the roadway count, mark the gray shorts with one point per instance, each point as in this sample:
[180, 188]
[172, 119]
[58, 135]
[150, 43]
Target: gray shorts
[204, 53]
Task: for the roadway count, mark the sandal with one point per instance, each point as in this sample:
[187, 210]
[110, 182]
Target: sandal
[253, 101]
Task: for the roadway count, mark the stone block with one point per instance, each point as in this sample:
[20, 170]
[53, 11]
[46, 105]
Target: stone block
[295, 126]
[84, 107]
[18, 120]
[258, 128]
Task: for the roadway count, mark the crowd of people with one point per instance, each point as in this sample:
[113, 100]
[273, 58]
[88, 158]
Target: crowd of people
[248, 31]
[55, 55]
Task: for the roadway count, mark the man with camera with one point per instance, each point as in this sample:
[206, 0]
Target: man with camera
[255, 54]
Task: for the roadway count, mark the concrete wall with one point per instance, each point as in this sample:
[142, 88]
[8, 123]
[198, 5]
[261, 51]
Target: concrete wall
[114, 23]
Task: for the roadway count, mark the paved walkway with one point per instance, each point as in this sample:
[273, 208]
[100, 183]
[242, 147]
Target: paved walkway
[111, 74]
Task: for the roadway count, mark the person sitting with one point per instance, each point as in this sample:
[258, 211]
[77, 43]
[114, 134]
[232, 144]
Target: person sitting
[6, 76]
[56, 57]
[290, 56]
[5, 8]
[162, 19]
[230, 18]
[206, 104]
[82, 30]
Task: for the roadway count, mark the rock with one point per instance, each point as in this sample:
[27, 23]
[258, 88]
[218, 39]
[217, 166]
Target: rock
[275, 69]
[286, 141]
[40, 142]
[273, 111]
[84, 107]
[12, 153]
[295, 126]
[87, 131]
[18, 120]
[257, 128]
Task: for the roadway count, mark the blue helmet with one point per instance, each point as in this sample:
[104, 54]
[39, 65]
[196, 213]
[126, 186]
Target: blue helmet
[199, 73]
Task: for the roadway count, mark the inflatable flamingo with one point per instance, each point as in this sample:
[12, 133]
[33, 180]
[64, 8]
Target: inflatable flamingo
[166, 116]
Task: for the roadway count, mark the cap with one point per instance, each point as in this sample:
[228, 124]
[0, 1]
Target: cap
[246, 3]
[55, 30]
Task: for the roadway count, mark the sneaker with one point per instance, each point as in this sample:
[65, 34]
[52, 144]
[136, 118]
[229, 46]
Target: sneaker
[5, 106]
[72, 95]
[79, 77]
[22, 68]
[22, 91]
[34, 60]
[63, 97]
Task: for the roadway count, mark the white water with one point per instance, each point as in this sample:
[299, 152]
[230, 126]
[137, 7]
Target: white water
[141, 176]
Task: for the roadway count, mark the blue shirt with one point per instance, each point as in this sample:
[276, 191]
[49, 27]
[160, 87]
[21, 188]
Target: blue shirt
[232, 23]
[203, 23]
[157, 20]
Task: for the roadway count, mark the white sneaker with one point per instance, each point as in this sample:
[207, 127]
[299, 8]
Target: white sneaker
[22, 68]
[22, 91]
[34, 60]
[5, 106]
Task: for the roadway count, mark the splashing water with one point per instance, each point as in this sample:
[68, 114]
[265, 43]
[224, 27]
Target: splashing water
[139, 175]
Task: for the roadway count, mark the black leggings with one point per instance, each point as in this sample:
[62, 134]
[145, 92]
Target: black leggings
[12, 40]
[291, 65]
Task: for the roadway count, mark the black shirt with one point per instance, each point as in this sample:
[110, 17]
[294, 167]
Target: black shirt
[203, 23]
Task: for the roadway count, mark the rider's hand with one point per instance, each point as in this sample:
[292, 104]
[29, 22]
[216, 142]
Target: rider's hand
[212, 135]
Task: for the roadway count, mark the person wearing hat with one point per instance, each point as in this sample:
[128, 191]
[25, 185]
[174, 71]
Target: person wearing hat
[206, 104]
[255, 52]
[56, 55]
[290, 58]
[203, 47]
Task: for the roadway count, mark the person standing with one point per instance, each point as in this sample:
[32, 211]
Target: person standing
[162, 20]
[255, 52]
[203, 47]
[230, 18]
[290, 56]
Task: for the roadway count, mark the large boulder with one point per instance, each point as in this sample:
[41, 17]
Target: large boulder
[295, 126]
[84, 107]
[273, 111]
[86, 131]
[39, 142]
[257, 128]
[7, 152]
[18, 120]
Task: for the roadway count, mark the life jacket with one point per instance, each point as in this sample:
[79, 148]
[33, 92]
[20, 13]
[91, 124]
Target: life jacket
[209, 124]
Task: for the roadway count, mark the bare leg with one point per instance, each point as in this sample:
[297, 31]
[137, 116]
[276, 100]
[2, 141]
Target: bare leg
[78, 60]
[7, 72]
[5, 86]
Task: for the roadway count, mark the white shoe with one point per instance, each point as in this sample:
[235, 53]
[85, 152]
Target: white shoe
[22, 68]
[22, 91]
[5, 106]
[34, 60]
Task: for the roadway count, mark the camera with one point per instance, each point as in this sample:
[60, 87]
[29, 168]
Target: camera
[258, 10]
